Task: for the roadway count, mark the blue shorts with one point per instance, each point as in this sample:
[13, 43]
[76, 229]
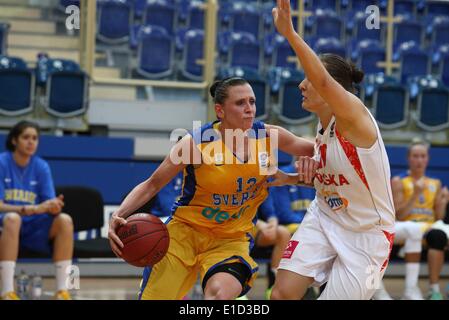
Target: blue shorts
[34, 232]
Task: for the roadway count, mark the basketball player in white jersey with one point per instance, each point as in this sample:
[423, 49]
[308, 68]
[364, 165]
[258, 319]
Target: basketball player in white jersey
[347, 234]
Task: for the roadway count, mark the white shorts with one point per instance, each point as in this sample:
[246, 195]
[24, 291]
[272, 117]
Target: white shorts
[410, 234]
[352, 263]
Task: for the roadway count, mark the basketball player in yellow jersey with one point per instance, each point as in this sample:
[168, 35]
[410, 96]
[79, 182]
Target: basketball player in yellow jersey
[211, 223]
[419, 202]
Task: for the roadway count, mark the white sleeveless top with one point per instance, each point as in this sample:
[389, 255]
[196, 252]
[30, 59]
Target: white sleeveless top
[353, 184]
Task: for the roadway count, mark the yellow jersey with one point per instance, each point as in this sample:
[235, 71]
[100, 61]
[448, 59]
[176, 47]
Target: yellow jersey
[423, 208]
[222, 194]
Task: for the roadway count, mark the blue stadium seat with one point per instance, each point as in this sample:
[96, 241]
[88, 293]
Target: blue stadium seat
[160, 13]
[245, 18]
[45, 66]
[290, 99]
[67, 94]
[439, 52]
[16, 87]
[374, 80]
[433, 109]
[278, 48]
[114, 20]
[444, 70]
[193, 49]
[405, 8]
[327, 24]
[259, 85]
[361, 32]
[322, 4]
[391, 106]
[273, 75]
[63, 4]
[440, 32]
[330, 45]
[155, 54]
[417, 83]
[369, 54]
[139, 8]
[311, 40]
[361, 5]
[195, 15]
[436, 8]
[4, 29]
[405, 46]
[414, 62]
[408, 30]
[244, 51]
[67, 89]
[267, 18]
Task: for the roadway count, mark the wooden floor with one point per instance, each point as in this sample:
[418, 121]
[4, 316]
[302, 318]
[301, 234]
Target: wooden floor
[127, 288]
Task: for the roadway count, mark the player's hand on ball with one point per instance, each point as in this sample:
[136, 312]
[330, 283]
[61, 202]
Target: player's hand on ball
[282, 18]
[306, 167]
[114, 240]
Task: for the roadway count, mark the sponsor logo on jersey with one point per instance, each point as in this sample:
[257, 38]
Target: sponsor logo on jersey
[332, 179]
[263, 159]
[335, 201]
[218, 157]
[33, 182]
[7, 180]
[291, 246]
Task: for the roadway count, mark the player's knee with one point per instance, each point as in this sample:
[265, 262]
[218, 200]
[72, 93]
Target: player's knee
[279, 293]
[215, 290]
[65, 222]
[12, 222]
[436, 239]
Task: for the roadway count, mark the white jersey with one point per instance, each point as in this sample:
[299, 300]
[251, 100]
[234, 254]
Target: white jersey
[353, 184]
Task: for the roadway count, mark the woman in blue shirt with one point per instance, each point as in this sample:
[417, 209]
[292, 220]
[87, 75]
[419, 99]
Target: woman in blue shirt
[30, 212]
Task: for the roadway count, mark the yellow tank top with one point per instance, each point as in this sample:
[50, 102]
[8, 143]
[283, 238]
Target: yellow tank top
[222, 194]
[423, 208]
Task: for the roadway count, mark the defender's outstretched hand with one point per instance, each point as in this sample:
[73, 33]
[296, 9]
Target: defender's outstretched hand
[282, 18]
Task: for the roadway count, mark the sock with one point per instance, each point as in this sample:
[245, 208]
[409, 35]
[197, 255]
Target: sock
[435, 287]
[61, 275]
[7, 275]
[411, 274]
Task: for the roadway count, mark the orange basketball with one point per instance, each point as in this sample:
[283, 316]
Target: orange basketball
[145, 238]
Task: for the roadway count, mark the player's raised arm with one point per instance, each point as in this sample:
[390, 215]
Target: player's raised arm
[352, 117]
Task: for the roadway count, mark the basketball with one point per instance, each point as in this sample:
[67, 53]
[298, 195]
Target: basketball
[145, 238]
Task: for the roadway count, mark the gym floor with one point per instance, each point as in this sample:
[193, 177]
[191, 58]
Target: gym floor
[126, 288]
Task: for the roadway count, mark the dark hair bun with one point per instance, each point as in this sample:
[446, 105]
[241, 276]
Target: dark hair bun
[357, 74]
[213, 88]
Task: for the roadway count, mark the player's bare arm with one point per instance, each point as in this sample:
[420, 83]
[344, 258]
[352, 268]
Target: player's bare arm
[401, 206]
[290, 143]
[353, 120]
[440, 203]
[146, 190]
